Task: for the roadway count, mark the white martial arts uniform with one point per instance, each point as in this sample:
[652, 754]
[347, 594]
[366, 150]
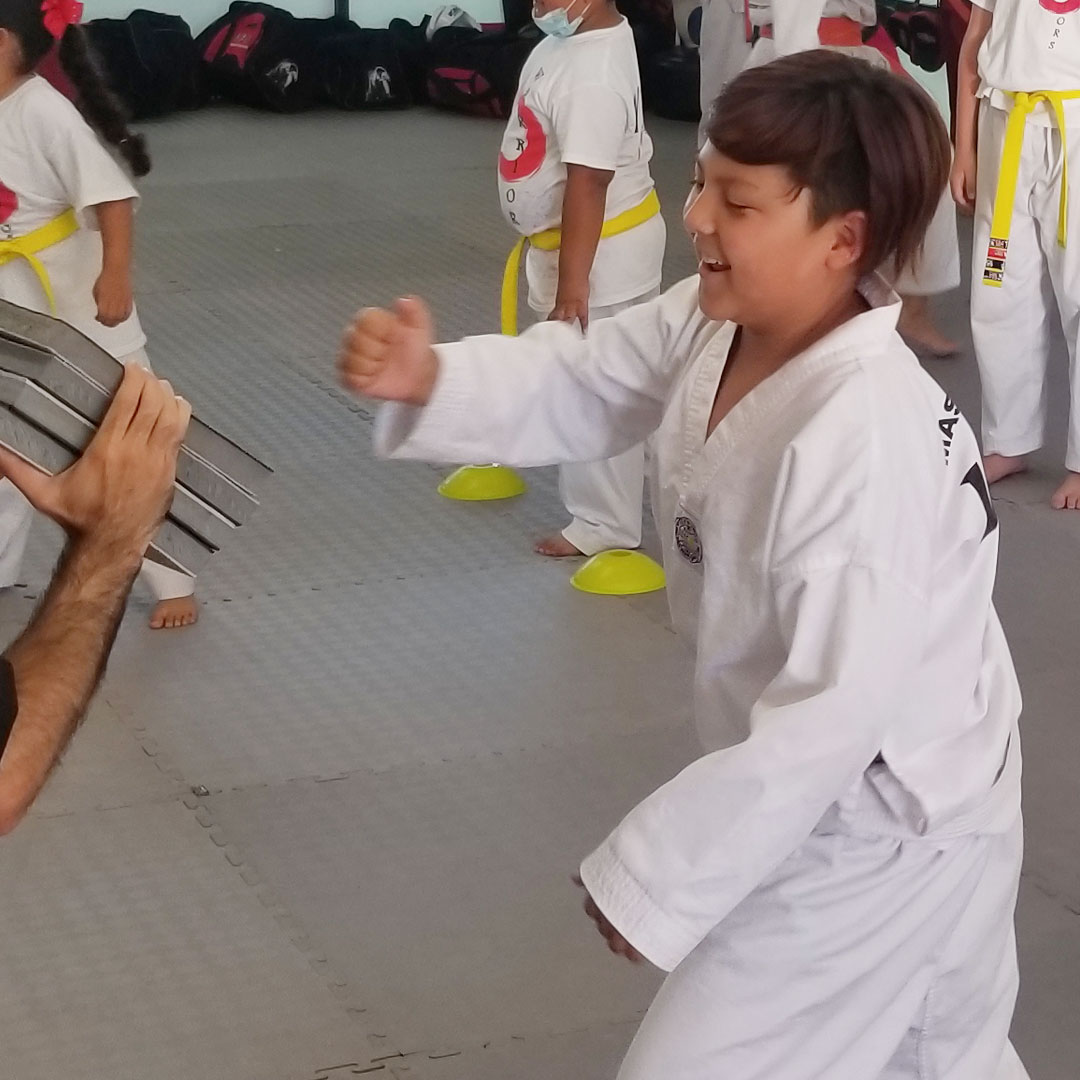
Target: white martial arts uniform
[604, 498]
[1029, 47]
[51, 162]
[832, 884]
[579, 103]
[723, 51]
[795, 29]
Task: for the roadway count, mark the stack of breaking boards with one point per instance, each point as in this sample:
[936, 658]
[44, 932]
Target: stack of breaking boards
[55, 387]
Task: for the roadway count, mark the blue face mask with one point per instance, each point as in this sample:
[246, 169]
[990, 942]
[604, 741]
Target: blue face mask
[558, 24]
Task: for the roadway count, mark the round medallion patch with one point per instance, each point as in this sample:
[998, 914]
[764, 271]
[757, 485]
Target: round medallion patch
[687, 540]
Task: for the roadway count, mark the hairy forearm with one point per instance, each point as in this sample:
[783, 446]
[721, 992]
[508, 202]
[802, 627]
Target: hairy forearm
[116, 220]
[58, 662]
[584, 206]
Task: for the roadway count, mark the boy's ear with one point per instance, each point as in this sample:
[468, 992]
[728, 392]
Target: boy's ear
[849, 240]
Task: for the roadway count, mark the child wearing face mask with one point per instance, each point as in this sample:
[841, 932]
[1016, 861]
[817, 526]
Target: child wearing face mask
[574, 181]
[831, 884]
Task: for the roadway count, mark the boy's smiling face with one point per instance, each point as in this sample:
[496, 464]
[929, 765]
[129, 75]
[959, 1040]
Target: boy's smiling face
[761, 254]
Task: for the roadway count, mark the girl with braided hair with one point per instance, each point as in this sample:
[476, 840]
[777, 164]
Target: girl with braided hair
[67, 213]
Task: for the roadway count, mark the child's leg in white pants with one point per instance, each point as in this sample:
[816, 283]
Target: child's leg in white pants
[1064, 268]
[1011, 325]
[938, 270]
[604, 498]
[724, 51]
[172, 590]
[16, 517]
[862, 958]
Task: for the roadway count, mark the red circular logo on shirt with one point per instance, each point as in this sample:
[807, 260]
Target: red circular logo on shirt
[532, 144]
[1060, 7]
[9, 202]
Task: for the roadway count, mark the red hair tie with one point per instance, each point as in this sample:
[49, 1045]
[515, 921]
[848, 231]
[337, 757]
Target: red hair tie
[58, 15]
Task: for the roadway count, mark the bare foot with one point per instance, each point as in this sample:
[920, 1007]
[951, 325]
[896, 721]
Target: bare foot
[173, 614]
[556, 547]
[918, 328]
[1067, 497]
[998, 466]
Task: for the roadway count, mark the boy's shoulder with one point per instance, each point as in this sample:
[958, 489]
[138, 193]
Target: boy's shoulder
[878, 408]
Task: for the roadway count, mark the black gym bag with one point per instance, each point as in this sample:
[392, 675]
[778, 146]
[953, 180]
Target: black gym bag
[150, 62]
[478, 73]
[413, 51]
[362, 69]
[917, 31]
[262, 56]
[653, 23]
[671, 84]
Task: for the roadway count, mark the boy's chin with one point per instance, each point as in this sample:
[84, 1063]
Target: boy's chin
[719, 309]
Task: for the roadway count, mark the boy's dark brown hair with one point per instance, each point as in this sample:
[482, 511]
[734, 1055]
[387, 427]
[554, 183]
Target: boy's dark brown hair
[856, 137]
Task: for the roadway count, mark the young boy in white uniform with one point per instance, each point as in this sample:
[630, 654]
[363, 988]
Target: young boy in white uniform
[1020, 69]
[574, 178]
[832, 885]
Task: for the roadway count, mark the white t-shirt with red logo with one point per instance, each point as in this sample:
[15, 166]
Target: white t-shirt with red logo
[1031, 45]
[579, 103]
[51, 162]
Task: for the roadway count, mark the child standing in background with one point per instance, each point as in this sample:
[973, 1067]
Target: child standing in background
[66, 228]
[1018, 168]
[574, 181]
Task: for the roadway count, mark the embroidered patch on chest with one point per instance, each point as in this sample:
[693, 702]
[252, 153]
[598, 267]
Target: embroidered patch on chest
[687, 540]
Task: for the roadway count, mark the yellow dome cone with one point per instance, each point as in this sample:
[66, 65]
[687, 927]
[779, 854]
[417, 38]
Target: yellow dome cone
[483, 483]
[620, 573]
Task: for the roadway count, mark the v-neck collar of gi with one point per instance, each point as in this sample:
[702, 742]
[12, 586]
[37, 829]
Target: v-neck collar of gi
[863, 336]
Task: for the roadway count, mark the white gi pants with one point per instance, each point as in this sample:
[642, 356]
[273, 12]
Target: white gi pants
[1011, 325]
[938, 269]
[17, 515]
[604, 498]
[863, 957]
[724, 51]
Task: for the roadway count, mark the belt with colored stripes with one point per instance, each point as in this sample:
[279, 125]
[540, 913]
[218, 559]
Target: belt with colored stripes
[1005, 200]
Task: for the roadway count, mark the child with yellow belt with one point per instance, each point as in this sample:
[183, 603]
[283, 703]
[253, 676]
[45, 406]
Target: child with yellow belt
[574, 181]
[1018, 167]
[66, 224]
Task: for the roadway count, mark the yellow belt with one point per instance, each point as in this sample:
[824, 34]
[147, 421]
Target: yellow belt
[29, 246]
[1001, 226]
[551, 240]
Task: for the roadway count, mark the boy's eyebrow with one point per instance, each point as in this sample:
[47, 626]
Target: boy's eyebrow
[741, 183]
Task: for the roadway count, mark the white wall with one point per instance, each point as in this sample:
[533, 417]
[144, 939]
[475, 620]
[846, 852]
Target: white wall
[366, 12]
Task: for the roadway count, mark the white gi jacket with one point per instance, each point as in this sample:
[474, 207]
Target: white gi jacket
[831, 548]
